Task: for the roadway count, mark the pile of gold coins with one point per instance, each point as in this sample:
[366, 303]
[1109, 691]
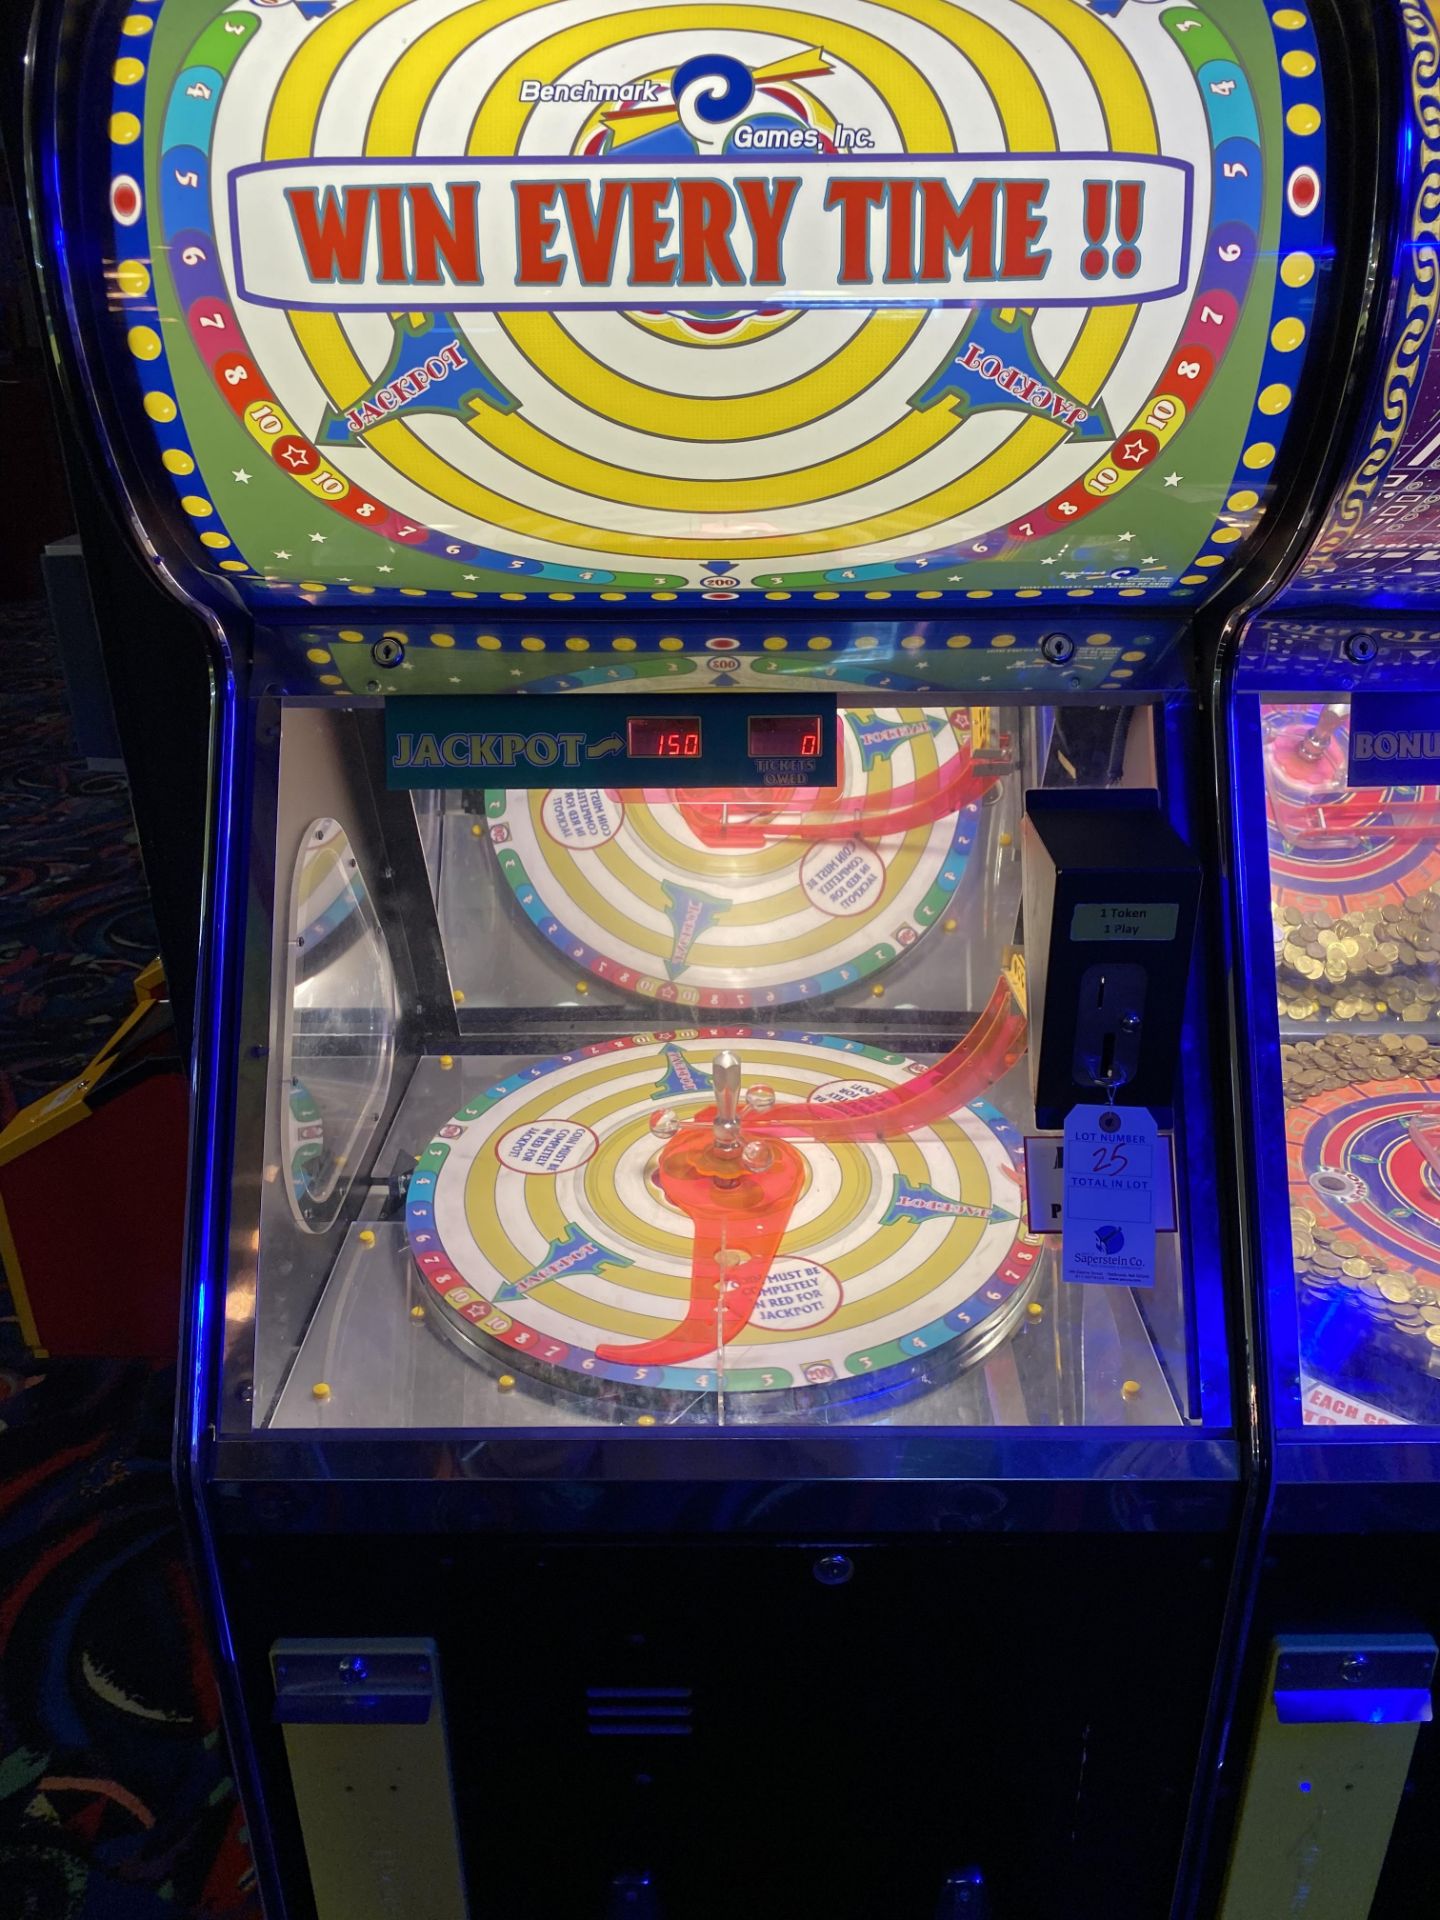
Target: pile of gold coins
[1342, 1059]
[1398, 1306]
[1402, 1310]
[1377, 963]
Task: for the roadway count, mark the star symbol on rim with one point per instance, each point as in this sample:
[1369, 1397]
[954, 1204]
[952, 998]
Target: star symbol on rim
[242, 476]
[317, 539]
[281, 554]
[384, 569]
[1173, 479]
[1150, 560]
[1126, 536]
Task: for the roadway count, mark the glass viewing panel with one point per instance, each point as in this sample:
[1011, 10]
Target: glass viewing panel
[714, 1112]
[339, 1030]
[1354, 879]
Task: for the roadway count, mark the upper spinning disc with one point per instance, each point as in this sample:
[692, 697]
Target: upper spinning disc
[709, 904]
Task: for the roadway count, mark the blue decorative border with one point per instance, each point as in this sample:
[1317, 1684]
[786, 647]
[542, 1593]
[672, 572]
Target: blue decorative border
[1415, 300]
[1303, 147]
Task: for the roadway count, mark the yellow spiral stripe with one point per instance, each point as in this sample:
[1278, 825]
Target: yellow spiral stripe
[497, 129]
[603, 882]
[706, 868]
[602, 1191]
[614, 396]
[604, 910]
[1102, 336]
[1088, 367]
[925, 128]
[485, 1207]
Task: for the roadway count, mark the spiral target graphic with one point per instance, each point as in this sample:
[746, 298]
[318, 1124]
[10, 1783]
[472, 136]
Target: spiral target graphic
[535, 1222]
[639, 891]
[831, 447]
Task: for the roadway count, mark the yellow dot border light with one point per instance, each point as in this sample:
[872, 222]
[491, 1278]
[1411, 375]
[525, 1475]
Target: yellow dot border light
[151, 335]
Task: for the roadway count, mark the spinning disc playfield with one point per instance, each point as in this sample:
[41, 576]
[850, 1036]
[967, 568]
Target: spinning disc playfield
[541, 1222]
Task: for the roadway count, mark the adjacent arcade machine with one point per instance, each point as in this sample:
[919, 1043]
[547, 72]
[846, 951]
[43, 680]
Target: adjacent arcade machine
[1332, 711]
[711, 1376]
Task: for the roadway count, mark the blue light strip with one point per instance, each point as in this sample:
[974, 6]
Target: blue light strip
[1353, 1706]
[1207, 1358]
[1334, 1335]
[1260, 1022]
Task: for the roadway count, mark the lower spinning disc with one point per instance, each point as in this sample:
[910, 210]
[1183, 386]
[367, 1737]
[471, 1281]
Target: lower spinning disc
[535, 1218]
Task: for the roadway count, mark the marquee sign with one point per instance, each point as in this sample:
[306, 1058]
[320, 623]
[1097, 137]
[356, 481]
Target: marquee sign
[557, 235]
[865, 298]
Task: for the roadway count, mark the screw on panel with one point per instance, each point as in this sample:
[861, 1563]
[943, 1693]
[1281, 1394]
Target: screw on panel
[387, 652]
[633, 1895]
[1358, 648]
[834, 1569]
[1057, 648]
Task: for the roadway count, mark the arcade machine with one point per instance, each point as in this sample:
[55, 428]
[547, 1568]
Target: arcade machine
[1331, 707]
[711, 1352]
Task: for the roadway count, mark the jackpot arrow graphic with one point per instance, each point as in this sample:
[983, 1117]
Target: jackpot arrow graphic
[516, 297]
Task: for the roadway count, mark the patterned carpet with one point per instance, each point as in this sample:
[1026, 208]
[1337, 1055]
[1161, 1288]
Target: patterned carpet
[116, 1801]
[75, 922]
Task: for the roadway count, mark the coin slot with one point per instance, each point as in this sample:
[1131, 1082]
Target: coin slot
[1108, 1024]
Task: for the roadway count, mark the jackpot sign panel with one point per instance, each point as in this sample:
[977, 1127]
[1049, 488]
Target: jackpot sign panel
[726, 299]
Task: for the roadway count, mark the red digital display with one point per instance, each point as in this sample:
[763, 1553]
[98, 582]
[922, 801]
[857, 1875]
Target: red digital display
[785, 736]
[664, 736]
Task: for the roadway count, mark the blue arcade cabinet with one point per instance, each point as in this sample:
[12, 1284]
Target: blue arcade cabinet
[715, 1370]
[1329, 714]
